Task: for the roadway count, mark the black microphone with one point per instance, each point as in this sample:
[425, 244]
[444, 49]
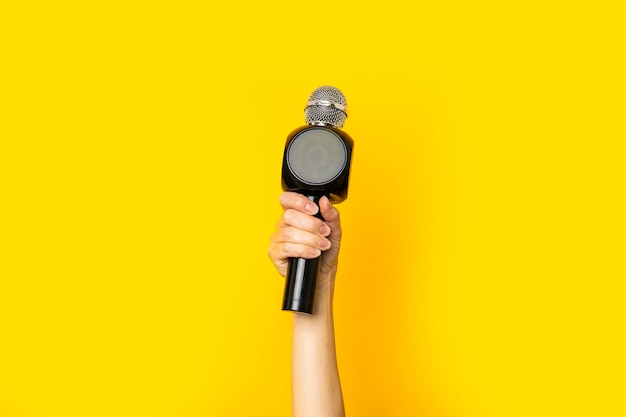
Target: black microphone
[316, 163]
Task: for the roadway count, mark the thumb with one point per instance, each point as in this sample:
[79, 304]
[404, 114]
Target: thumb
[331, 216]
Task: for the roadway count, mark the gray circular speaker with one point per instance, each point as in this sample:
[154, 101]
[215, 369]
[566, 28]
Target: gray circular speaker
[317, 156]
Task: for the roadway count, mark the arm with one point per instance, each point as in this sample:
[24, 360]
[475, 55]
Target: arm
[315, 378]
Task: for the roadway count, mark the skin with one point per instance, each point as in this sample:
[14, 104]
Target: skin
[316, 390]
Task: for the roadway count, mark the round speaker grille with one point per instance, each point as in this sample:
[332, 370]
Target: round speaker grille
[317, 156]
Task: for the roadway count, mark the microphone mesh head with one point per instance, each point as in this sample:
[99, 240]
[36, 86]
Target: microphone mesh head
[327, 106]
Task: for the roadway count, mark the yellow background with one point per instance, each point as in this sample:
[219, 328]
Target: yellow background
[483, 264]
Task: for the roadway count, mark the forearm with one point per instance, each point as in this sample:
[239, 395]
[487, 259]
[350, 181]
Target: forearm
[315, 377]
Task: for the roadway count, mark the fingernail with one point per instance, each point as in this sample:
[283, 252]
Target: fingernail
[324, 230]
[325, 244]
[316, 252]
[310, 208]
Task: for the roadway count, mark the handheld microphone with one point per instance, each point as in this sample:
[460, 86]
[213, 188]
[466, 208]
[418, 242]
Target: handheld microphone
[316, 163]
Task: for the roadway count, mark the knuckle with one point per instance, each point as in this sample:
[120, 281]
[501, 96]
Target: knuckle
[288, 216]
[286, 198]
[283, 250]
[284, 234]
[289, 199]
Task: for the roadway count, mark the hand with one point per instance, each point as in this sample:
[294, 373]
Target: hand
[300, 235]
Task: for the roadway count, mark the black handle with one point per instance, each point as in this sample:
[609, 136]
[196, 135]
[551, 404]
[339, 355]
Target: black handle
[302, 278]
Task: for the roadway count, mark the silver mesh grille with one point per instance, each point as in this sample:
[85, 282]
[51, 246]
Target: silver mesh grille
[327, 105]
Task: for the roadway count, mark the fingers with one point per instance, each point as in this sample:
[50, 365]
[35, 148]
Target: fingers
[293, 218]
[301, 235]
[298, 234]
[288, 234]
[297, 202]
[289, 242]
[280, 252]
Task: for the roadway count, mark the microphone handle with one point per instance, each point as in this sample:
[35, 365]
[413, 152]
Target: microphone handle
[302, 278]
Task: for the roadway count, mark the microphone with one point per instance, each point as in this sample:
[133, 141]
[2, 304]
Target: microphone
[316, 163]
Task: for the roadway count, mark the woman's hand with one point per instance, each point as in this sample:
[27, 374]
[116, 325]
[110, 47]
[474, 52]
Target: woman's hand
[300, 235]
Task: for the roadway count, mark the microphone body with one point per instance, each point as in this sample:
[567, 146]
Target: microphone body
[316, 163]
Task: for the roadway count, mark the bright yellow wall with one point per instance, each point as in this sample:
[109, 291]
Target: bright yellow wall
[483, 264]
